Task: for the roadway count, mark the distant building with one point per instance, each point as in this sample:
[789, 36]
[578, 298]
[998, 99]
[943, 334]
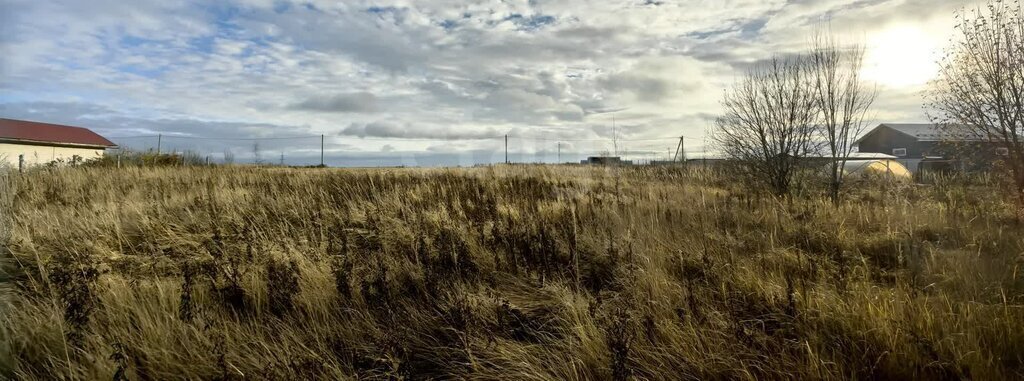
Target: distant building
[606, 160]
[913, 144]
[41, 143]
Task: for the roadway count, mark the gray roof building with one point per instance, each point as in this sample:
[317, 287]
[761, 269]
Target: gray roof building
[923, 132]
[913, 142]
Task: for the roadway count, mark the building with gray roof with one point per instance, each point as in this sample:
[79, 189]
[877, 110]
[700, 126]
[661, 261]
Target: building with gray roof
[913, 143]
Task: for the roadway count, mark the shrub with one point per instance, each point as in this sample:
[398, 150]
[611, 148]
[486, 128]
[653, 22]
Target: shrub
[282, 285]
[73, 276]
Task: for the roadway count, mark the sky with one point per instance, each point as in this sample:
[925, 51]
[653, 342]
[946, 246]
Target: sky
[432, 82]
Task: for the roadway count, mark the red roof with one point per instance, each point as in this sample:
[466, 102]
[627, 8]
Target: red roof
[50, 133]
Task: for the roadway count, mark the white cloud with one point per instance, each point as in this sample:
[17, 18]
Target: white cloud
[412, 69]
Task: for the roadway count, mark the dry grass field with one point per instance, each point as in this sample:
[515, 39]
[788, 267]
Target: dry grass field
[506, 272]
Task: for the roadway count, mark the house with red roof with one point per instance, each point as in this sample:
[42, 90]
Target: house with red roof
[32, 143]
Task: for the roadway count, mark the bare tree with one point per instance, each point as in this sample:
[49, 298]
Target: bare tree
[256, 153]
[768, 121]
[980, 89]
[842, 99]
[229, 156]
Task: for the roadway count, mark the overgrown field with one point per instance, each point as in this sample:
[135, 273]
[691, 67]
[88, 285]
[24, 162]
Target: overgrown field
[520, 272]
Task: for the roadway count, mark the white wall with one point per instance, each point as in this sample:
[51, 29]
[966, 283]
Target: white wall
[35, 155]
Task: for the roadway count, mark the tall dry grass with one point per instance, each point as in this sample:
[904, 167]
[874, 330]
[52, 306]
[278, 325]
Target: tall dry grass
[509, 272]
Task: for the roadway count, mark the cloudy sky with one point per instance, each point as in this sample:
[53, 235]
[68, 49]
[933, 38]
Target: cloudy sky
[378, 78]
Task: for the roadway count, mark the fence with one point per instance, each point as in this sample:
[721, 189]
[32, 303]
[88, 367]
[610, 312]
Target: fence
[370, 151]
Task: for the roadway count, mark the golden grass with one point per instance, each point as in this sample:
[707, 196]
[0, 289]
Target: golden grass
[507, 272]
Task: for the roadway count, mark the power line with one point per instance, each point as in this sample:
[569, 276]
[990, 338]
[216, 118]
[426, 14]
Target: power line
[380, 138]
[215, 138]
[594, 140]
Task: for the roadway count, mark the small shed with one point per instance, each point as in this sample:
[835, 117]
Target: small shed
[33, 143]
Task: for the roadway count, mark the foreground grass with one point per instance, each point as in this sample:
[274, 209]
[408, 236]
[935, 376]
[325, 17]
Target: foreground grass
[524, 272]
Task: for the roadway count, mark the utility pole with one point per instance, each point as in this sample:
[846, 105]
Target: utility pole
[321, 150]
[159, 139]
[506, 148]
[615, 138]
[282, 159]
[680, 150]
[559, 152]
[704, 148]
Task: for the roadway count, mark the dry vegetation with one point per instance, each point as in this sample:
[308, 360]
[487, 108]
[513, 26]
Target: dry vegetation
[522, 272]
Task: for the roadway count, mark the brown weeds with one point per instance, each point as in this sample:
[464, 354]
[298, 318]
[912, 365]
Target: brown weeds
[507, 272]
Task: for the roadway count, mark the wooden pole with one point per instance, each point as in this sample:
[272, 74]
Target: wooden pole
[21, 163]
[559, 152]
[615, 138]
[506, 148]
[682, 148]
[321, 150]
[680, 155]
[159, 138]
[704, 149]
[676, 156]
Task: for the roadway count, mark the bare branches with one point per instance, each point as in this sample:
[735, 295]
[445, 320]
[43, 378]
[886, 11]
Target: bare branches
[787, 108]
[768, 121]
[980, 90]
[842, 99]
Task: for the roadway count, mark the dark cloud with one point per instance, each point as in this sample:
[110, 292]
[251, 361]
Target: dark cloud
[440, 89]
[531, 22]
[361, 102]
[403, 130]
[645, 88]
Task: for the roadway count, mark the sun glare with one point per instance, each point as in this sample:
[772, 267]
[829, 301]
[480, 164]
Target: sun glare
[903, 56]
